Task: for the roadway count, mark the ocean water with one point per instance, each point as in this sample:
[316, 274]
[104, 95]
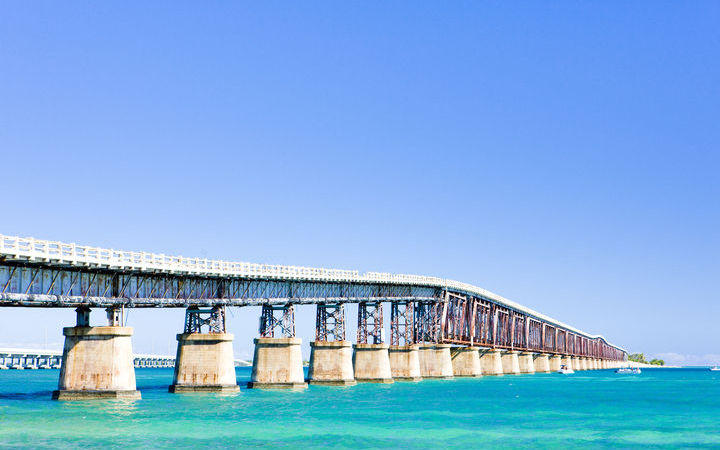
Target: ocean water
[660, 407]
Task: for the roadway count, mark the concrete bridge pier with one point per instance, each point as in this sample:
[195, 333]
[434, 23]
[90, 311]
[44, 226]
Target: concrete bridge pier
[542, 363]
[371, 359]
[435, 361]
[204, 361]
[330, 354]
[277, 361]
[491, 361]
[526, 361]
[372, 363]
[577, 364]
[405, 362]
[555, 362]
[403, 352]
[97, 362]
[466, 362]
[510, 362]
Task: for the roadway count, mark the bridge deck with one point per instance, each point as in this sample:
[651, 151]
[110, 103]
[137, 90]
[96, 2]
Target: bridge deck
[39, 273]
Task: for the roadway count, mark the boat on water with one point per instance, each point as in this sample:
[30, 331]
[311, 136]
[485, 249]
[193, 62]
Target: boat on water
[628, 370]
[565, 370]
[715, 369]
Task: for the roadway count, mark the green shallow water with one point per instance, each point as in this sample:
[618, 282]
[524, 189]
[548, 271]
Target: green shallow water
[661, 407]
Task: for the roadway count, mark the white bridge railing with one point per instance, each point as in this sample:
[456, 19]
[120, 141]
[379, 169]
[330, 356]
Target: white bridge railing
[80, 255]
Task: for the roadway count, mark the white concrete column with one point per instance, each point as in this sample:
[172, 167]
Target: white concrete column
[510, 362]
[331, 363]
[277, 363]
[491, 362]
[526, 362]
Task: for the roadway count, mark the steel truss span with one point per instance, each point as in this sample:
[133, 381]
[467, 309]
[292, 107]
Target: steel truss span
[37, 273]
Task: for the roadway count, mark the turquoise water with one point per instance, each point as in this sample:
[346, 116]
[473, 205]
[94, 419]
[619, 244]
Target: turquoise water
[661, 407]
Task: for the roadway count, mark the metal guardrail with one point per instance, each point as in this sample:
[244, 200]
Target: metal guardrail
[55, 252]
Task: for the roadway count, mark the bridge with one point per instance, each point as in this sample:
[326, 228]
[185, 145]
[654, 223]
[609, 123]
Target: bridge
[439, 328]
[24, 358]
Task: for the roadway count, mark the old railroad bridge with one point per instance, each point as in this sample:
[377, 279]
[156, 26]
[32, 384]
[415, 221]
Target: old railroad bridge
[439, 328]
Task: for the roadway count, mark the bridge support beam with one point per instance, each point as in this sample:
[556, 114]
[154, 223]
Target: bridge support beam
[435, 361]
[204, 361]
[510, 362]
[577, 364]
[542, 363]
[372, 363]
[277, 364]
[491, 361]
[466, 362]
[527, 362]
[331, 363]
[405, 362]
[371, 360]
[97, 362]
[330, 354]
[277, 361]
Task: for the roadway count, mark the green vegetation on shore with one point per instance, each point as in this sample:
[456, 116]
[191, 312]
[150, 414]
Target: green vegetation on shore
[640, 358]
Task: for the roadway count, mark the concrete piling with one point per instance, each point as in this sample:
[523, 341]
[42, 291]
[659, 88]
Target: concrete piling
[555, 362]
[510, 362]
[204, 363]
[435, 361]
[404, 362]
[371, 363]
[331, 363]
[277, 363]
[491, 362]
[466, 362]
[542, 363]
[97, 362]
[526, 362]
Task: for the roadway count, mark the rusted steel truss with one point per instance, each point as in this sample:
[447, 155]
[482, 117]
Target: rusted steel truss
[433, 315]
[277, 321]
[197, 317]
[370, 323]
[330, 322]
[465, 320]
[33, 286]
[402, 323]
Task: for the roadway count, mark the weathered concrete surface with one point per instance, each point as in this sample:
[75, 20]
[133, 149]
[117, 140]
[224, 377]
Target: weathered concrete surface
[405, 362]
[577, 364]
[491, 362]
[97, 362]
[569, 362]
[331, 363]
[555, 362]
[510, 362]
[277, 363]
[466, 361]
[542, 362]
[204, 363]
[435, 361]
[372, 363]
[526, 362]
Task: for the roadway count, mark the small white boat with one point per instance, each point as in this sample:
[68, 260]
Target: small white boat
[715, 369]
[565, 370]
[628, 370]
[45, 366]
[17, 367]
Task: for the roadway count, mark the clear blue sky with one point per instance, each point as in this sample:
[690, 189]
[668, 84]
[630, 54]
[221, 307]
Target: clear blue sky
[565, 154]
